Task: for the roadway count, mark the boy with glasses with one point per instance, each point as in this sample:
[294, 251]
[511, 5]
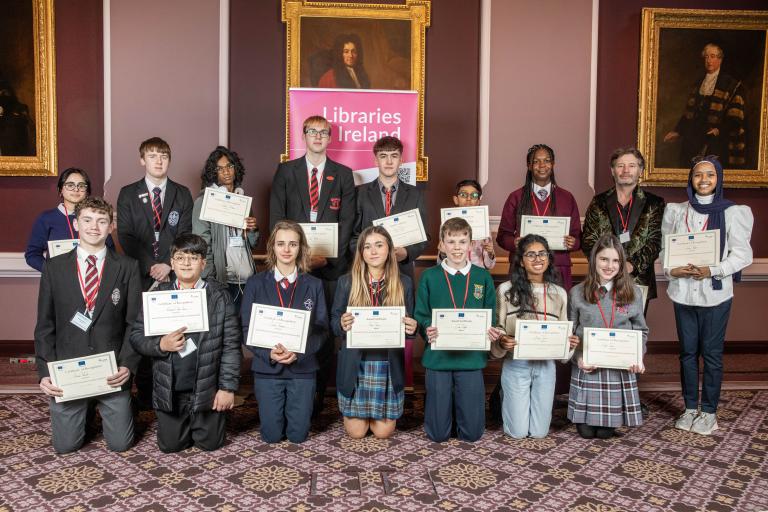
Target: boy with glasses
[481, 253]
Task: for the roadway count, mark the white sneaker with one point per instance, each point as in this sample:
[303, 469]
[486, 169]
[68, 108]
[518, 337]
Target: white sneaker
[705, 423]
[685, 420]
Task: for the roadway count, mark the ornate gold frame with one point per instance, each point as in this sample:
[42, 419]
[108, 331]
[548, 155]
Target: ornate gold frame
[417, 11]
[653, 21]
[44, 163]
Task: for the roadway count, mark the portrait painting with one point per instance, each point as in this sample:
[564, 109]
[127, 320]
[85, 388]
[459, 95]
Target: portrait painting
[27, 89]
[702, 92]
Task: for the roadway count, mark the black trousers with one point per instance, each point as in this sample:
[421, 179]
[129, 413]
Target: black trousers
[182, 428]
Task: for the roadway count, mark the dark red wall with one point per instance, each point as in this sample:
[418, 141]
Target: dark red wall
[617, 86]
[80, 100]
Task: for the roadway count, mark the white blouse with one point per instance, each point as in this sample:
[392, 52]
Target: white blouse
[738, 253]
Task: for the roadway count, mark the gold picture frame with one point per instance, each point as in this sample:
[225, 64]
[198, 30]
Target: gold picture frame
[30, 129]
[730, 118]
[410, 19]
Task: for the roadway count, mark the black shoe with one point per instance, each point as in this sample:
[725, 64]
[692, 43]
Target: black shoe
[585, 431]
[604, 432]
[644, 411]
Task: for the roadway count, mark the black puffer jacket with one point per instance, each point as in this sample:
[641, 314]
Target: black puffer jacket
[218, 356]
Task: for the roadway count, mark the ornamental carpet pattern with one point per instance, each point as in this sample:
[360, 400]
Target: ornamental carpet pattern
[652, 468]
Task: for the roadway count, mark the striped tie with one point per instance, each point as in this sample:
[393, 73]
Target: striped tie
[285, 283]
[314, 192]
[91, 286]
[157, 215]
[388, 201]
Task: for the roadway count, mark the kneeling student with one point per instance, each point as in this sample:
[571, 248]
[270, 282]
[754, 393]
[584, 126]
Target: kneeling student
[195, 375]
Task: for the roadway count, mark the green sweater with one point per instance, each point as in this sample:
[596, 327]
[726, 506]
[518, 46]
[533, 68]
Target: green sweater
[434, 294]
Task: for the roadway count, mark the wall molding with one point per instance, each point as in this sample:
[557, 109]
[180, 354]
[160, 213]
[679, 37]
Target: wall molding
[13, 264]
[224, 73]
[484, 114]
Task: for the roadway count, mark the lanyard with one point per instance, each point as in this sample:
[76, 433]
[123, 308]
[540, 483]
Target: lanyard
[536, 206]
[280, 295]
[375, 300]
[69, 224]
[90, 302]
[545, 306]
[450, 289]
[706, 223]
[624, 224]
[613, 310]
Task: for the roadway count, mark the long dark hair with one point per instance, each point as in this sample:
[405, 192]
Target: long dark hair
[520, 294]
[210, 174]
[526, 204]
[343, 80]
[623, 284]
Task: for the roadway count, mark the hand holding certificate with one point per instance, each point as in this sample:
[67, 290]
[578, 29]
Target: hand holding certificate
[537, 340]
[56, 247]
[377, 327]
[701, 249]
[322, 238]
[405, 228]
[554, 229]
[224, 207]
[612, 348]
[271, 325]
[83, 377]
[461, 329]
[476, 216]
[166, 311]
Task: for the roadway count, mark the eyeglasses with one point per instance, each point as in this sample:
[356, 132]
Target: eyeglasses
[71, 186]
[225, 167]
[465, 195]
[324, 134]
[187, 258]
[531, 256]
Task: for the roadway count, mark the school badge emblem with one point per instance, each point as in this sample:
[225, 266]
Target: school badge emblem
[309, 304]
[173, 218]
[115, 296]
[478, 293]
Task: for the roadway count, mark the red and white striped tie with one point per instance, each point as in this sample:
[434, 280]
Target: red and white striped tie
[91, 285]
[314, 191]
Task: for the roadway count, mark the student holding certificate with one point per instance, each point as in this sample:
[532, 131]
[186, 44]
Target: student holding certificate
[702, 295]
[602, 399]
[284, 381]
[532, 293]
[370, 382]
[195, 375]
[229, 259]
[454, 378]
[481, 253]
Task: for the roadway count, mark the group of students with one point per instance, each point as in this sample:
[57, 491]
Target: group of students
[194, 376]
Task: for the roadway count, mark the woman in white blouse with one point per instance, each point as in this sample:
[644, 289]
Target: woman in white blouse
[702, 295]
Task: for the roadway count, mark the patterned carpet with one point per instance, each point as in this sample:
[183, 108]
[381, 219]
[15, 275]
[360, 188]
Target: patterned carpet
[653, 468]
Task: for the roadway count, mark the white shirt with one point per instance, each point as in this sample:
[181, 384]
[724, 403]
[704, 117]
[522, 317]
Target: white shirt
[82, 264]
[151, 186]
[707, 86]
[291, 277]
[353, 76]
[737, 252]
[547, 188]
[464, 271]
[320, 169]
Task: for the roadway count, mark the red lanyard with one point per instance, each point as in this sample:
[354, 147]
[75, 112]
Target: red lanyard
[536, 206]
[450, 289]
[621, 216]
[375, 301]
[66, 215]
[280, 295]
[90, 302]
[613, 310]
[706, 223]
[545, 305]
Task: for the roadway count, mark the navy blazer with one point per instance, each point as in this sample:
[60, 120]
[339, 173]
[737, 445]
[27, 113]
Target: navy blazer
[260, 289]
[348, 365]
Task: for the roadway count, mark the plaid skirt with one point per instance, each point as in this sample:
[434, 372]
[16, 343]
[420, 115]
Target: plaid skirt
[374, 397]
[604, 398]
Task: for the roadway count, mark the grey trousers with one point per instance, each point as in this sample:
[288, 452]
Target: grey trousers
[68, 422]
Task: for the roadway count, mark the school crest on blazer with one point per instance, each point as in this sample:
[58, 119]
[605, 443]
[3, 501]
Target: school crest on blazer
[309, 304]
[173, 218]
[115, 296]
[478, 293]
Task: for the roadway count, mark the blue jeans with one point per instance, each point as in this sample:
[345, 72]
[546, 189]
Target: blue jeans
[529, 391]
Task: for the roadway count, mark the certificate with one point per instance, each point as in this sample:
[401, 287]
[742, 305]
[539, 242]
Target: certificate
[85, 376]
[56, 247]
[701, 249]
[377, 327]
[554, 229]
[462, 329]
[612, 348]
[168, 310]
[476, 216]
[323, 238]
[405, 228]
[538, 340]
[271, 325]
[224, 207]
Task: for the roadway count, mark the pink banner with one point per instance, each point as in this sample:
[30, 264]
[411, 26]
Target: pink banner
[358, 118]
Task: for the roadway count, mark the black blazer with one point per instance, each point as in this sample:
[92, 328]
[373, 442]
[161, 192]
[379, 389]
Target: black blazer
[117, 305]
[135, 228]
[289, 199]
[370, 207]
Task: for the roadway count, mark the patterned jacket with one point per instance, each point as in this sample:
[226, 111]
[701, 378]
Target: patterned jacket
[644, 226]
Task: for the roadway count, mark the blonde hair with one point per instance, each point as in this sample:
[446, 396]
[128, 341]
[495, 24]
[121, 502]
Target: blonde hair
[302, 258]
[359, 294]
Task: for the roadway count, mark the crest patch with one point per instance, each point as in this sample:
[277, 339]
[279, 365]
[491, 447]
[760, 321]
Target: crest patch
[478, 293]
[309, 304]
[115, 296]
[173, 218]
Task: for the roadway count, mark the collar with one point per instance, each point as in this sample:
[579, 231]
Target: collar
[711, 76]
[320, 167]
[199, 284]
[291, 277]
[64, 211]
[547, 187]
[705, 199]
[237, 190]
[82, 254]
[463, 271]
[383, 188]
[151, 185]
[608, 286]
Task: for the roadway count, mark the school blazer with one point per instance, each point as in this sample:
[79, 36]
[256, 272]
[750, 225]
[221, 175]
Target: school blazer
[370, 207]
[289, 200]
[117, 305]
[135, 228]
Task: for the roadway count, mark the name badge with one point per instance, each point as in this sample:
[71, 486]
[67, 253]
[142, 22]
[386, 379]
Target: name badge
[236, 241]
[189, 347]
[313, 216]
[157, 236]
[81, 321]
[624, 237]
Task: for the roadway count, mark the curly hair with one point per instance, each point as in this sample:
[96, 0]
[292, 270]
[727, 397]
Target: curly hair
[520, 294]
[210, 174]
